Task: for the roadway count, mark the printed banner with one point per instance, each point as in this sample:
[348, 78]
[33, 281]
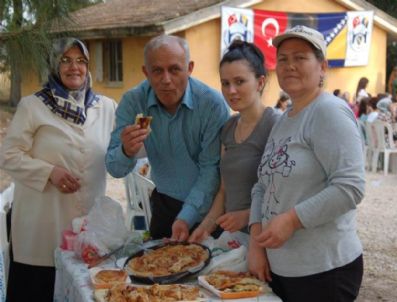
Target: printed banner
[347, 34]
[237, 23]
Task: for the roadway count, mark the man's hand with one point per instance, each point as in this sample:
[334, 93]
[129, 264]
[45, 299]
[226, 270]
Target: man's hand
[180, 230]
[132, 138]
[63, 180]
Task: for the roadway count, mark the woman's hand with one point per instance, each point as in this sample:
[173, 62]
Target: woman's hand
[64, 181]
[258, 265]
[132, 138]
[278, 230]
[199, 234]
[204, 230]
[233, 221]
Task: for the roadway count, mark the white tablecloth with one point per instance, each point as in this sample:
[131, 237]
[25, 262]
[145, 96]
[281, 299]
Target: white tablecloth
[73, 281]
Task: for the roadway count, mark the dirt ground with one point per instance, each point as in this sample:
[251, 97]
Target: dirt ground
[376, 221]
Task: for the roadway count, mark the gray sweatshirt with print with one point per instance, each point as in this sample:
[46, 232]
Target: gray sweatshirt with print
[314, 162]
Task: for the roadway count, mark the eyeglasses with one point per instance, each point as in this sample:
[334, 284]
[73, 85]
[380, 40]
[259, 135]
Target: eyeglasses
[69, 61]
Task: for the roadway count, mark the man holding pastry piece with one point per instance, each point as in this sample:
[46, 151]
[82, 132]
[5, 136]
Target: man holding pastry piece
[183, 145]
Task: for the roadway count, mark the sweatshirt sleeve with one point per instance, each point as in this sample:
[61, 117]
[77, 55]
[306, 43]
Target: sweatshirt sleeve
[336, 142]
[257, 193]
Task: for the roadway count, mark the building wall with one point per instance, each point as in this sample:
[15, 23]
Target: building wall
[204, 41]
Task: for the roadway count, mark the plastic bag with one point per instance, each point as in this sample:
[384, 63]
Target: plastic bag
[106, 220]
[88, 247]
[104, 231]
[229, 252]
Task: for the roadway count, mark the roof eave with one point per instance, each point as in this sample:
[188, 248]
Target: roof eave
[203, 15]
[381, 19]
[119, 32]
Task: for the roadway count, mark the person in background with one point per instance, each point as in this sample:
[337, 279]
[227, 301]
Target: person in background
[338, 93]
[364, 109]
[373, 110]
[54, 150]
[303, 237]
[183, 146]
[352, 104]
[361, 91]
[392, 83]
[386, 111]
[346, 97]
[283, 102]
[243, 77]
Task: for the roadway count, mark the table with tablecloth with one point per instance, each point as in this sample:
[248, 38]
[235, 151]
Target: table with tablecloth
[73, 281]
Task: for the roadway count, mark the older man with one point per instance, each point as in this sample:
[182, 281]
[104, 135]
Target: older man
[183, 145]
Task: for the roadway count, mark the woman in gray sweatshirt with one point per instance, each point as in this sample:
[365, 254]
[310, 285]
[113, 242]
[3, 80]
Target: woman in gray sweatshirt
[303, 237]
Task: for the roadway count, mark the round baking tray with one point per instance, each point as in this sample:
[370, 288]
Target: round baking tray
[168, 279]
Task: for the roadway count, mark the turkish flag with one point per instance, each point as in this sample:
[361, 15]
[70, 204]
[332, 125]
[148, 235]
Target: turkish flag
[267, 25]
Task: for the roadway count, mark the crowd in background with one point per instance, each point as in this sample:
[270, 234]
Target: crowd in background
[369, 108]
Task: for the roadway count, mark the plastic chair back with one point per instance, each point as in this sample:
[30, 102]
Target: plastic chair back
[145, 188]
[384, 143]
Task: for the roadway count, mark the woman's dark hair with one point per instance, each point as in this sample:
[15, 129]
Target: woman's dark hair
[336, 92]
[241, 50]
[362, 107]
[283, 98]
[362, 84]
[372, 102]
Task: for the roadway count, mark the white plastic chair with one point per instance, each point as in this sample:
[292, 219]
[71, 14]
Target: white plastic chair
[145, 188]
[6, 198]
[133, 200]
[134, 203]
[382, 145]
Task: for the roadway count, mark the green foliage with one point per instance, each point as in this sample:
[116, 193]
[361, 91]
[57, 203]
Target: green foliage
[26, 29]
[390, 7]
[25, 34]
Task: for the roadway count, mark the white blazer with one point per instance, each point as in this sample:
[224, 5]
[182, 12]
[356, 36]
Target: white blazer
[36, 141]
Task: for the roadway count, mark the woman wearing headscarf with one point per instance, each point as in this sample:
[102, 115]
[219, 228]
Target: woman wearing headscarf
[54, 150]
[303, 237]
[386, 112]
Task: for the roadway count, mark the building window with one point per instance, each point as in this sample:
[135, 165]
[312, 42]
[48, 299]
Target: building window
[113, 60]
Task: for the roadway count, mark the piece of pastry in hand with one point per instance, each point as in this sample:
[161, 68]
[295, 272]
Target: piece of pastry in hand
[143, 121]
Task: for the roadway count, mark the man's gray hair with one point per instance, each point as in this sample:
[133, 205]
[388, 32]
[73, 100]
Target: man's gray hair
[162, 40]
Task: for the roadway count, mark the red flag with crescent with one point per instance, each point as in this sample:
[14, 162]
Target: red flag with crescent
[267, 25]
